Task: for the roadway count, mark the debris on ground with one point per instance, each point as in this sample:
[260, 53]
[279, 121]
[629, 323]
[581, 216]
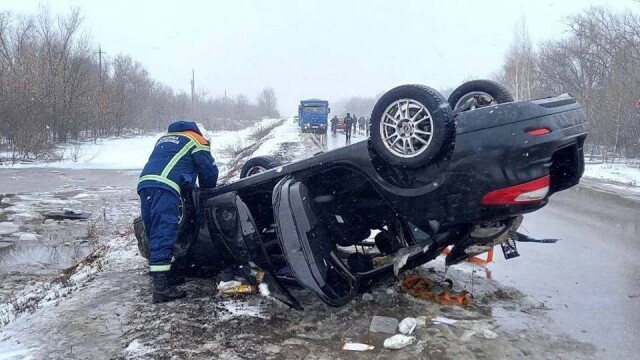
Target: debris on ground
[440, 292]
[399, 341]
[264, 289]
[367, 297]
[403, 255]
[75, 242]
[382, 260]
[240, 289]
[68, 214]
[443, 320]
[407, 325]
[383, 324]
[224, 285]
[357, 347]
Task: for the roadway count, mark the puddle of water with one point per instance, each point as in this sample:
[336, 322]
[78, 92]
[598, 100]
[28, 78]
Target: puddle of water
[41, 259]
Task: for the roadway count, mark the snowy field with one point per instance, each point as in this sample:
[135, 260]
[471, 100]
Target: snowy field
[131, 153]
[618, 173]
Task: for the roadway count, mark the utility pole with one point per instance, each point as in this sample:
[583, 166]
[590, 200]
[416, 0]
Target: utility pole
[100, 52]
[193, 83]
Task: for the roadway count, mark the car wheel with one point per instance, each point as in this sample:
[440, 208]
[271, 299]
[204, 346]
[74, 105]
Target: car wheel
[257, 165]
[411, 126]
[187, 230]
[141, 237]
[478, 93]
[187, 225]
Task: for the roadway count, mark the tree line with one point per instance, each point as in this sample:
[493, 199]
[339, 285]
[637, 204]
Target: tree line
[598, 62]
[55, 87]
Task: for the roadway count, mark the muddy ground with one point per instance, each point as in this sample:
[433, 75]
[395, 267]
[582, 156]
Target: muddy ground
[102, 309]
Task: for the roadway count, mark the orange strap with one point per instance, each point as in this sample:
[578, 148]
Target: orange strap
[428, 289]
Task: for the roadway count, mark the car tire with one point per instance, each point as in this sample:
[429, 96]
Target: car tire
[490, 88]
[257, 165]
[425, 127]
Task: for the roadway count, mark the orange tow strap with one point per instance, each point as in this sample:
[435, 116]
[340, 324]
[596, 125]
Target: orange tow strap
[439, 292]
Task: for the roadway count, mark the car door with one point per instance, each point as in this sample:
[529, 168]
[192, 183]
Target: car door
[230, 222]
[307, 245]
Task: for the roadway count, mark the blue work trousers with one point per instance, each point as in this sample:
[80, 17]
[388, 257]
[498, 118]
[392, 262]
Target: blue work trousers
[160, 214]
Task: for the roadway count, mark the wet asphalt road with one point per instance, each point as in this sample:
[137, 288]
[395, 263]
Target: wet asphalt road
[590, 279]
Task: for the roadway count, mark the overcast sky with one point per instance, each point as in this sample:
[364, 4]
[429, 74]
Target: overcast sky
[323, 49]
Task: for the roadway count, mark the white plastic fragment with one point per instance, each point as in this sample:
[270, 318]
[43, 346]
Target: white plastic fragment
[399, 341]
[407, 325]
[264, 289]
[443, 320]
[357, 347]
[402, 256]
[224, 285]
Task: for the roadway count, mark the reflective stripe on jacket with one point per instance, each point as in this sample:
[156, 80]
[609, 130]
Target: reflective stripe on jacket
[177, 158]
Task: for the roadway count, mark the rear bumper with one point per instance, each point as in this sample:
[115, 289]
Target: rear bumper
[494, 158]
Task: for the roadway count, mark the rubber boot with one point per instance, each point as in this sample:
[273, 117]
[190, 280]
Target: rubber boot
[175, 279]
[162, 291]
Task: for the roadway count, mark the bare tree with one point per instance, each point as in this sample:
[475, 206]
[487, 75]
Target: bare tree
[519, 65]
[268, 103]
[52, 91]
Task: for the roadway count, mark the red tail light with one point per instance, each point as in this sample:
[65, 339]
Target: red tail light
[538, 132]
[531, 191]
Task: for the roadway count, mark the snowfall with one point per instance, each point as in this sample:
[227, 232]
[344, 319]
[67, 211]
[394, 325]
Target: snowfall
[64, 294]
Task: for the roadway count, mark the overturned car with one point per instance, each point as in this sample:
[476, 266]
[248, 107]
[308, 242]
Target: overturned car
[434, 174]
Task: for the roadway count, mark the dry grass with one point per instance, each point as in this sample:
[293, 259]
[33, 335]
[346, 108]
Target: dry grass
[93, 231]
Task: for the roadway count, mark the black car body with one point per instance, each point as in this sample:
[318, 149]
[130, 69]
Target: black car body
[302, 221]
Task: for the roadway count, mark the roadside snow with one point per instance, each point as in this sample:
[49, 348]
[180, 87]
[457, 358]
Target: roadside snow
[136, 349]
[289, 132]
[618, 173]
[131, 153]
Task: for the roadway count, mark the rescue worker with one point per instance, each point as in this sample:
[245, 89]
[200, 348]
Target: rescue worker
[355, 123]
[334, 124]
[177, 158]
[348, 125]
